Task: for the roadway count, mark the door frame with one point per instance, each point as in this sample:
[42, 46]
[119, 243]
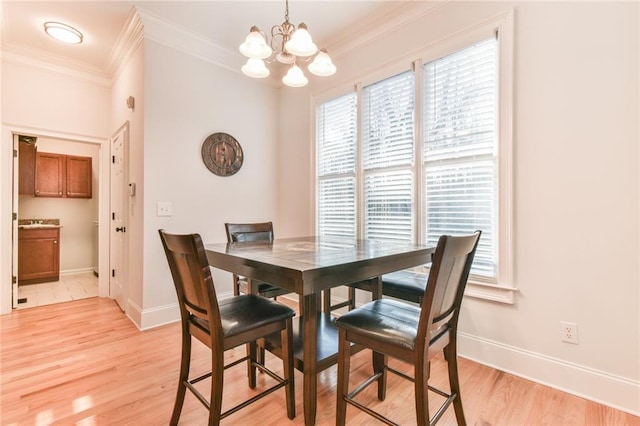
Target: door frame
[126, 193]
[7, 207]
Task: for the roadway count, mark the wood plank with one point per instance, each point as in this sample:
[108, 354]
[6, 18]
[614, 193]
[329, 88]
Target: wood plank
[84, 362]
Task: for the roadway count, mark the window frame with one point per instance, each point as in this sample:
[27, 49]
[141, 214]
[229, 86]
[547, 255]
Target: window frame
[503, 290]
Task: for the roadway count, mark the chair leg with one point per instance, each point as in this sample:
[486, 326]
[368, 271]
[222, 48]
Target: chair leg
[344, 361]
[217, 382]
[286, 337]
[184, 376]
[380, 366]
[352, 298]
[236, 286]
[251, 368]
[326, 301]
[421, 386]
[261, 356]
[454, 382]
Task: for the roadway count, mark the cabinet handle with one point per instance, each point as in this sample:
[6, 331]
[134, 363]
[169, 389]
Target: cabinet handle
[55, 241]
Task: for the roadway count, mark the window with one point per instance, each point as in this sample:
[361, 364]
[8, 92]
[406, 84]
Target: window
[388, 157]
[336, 169]
[460, 148]
[422, 153]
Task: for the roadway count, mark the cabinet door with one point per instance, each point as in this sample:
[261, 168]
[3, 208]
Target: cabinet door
[27, 168]
[38, 255]
[78, 177]
[49, 174]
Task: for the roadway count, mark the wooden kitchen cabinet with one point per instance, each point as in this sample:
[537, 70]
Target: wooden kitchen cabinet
[50, 174]
[26, 168]
[78, 177]
[38, 255]
[62, 176]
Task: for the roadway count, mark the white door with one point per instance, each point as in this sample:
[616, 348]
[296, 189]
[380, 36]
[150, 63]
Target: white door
[118, 241]
[14, 223]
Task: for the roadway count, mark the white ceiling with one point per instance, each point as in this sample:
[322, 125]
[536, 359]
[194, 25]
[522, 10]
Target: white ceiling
[224, 23]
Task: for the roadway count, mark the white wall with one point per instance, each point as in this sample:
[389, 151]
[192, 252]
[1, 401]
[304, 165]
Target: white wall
[42, 102]
[186, 100]
[76, 215]
[576, 189]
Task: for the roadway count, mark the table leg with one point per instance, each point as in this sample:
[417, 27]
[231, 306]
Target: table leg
[252, 347]
[311, 306]
[379, 360]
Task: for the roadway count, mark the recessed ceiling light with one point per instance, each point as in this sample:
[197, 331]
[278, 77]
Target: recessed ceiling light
[63, 32]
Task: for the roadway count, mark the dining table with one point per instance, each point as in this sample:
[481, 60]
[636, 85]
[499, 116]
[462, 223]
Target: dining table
[307, 266]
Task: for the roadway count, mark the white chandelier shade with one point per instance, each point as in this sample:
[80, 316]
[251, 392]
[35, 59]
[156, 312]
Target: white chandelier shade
[300, 43]
[255, 68]
[295, 77]
[322, 65]
[255, 46]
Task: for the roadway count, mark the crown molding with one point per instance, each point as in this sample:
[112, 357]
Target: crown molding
[37, 60]
[182, 39]
[376, 26]
[142, 24]
[128, 41]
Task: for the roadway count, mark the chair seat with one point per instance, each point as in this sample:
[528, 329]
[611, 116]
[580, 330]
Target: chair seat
[264, 289]
[405, 285]
[242, 313]
[386, 320]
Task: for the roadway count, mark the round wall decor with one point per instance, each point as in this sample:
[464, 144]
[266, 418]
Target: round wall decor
[222, 154]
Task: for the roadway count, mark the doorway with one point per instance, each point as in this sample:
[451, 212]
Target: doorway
[80, 270]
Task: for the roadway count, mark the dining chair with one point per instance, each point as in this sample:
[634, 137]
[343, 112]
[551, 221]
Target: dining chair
[413, 334]
[405, 285]
[222, 326]
[251, 232]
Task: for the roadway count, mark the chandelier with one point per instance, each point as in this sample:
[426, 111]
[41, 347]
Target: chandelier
[288, 46]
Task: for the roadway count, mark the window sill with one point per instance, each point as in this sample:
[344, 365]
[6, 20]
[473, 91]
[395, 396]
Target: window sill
[491, 292]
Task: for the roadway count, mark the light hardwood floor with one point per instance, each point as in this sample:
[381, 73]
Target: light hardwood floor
[85, 363]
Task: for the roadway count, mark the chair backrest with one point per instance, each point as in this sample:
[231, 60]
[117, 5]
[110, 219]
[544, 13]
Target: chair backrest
[192, 279]
[245, 232]
[445, 286]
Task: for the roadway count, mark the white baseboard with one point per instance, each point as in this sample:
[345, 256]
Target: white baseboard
[77, 271]
[134, 312]
[599, 386]
[604, 388]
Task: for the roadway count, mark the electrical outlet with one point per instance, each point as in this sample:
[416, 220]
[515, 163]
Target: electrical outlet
[569, 332]
[164, 208]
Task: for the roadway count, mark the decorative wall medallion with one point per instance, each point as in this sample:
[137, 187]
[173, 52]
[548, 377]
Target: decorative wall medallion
[222, 154]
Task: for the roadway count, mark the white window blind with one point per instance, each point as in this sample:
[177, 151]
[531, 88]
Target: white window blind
[388, 157]
[460, 149]
[336, 122]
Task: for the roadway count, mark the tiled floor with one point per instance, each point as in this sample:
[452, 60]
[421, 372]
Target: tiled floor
[70, 287]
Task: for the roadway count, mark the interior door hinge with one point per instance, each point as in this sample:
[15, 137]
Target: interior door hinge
[14, 216]
[113, 159]
[14, 279]
[113, 272]
[15, 153]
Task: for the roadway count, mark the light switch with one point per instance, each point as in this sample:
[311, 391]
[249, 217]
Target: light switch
[164, 208]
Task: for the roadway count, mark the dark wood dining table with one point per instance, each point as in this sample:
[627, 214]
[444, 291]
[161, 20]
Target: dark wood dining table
[307, 266]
